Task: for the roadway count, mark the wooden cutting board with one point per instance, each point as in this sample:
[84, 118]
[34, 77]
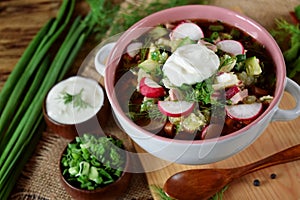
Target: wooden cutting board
[277, 136]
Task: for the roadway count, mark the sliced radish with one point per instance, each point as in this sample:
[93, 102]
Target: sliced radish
[209, 45]
[176, 108]
[244, 111]
[175, 94]
[150, 88]
[239, 96]
[134, 48]
[188, 29]
[232, 91]
[211, 131]
[231, 46]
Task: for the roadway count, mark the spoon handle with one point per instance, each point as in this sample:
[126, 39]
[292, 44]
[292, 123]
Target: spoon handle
[284, 156]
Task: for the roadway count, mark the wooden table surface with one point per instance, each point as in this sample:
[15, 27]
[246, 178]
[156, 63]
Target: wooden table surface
[18, 26]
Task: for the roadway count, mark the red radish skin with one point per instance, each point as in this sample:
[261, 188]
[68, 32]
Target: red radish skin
[232, 91]
[244, 112]
[204, 132]
[175, 94]
[239, 96]
[150, 88]
[294, 18]
[176, 108]
[211, 131]
[188, 29]
[231, 46]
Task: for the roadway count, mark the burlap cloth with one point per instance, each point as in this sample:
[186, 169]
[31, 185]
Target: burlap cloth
[40, 178]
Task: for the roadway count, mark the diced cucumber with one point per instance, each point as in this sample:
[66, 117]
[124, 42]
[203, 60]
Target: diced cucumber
[193, 122]
[185, 41]
[174, 44]
[252, 66]
[158, 32]
[149, 65]
[227, 63]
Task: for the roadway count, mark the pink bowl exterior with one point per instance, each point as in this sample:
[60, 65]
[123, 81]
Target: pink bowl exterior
[218, 148]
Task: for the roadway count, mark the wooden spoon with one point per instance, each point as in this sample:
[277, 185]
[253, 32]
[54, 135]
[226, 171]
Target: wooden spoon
[204, 183]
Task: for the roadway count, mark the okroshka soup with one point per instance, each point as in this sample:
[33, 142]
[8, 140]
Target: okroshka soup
[187, 77]
[197, 84]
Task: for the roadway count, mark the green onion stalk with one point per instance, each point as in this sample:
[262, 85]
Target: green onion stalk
[20, 128]
[18, 86]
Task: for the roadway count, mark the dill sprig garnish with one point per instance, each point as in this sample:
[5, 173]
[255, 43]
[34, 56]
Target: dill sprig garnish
[76, 99]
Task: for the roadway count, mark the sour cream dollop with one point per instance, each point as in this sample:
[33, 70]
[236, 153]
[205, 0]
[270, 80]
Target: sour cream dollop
[190, 64]
[91, 94]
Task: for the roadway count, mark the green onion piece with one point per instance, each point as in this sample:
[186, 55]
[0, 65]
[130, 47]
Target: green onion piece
[16, 94]
[241, 57]
[235, 33]
[216, 27]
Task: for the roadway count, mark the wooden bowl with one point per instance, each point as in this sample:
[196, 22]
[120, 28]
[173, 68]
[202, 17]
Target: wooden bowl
[70, 131]
[109, 192]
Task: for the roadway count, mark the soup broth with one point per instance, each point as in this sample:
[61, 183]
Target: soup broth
[195, 79]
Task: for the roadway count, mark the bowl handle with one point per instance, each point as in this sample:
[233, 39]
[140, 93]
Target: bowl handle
[283, 115]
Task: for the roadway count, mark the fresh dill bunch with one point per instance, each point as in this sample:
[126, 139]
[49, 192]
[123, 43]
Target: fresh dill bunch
[137, 10]
[103, 13]
[285, 30]
[287, 36]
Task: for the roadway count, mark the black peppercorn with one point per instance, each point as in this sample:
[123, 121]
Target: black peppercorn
[256, 182]
[273, 176]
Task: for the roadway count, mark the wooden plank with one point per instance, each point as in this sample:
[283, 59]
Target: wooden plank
[19, 23]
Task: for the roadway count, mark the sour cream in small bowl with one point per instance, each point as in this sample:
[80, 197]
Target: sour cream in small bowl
[75, 106]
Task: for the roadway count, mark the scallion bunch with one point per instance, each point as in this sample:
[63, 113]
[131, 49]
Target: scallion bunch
[23, 93]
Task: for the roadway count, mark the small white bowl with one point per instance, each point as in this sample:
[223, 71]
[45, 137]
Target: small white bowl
[66, 120]
[101, 57]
